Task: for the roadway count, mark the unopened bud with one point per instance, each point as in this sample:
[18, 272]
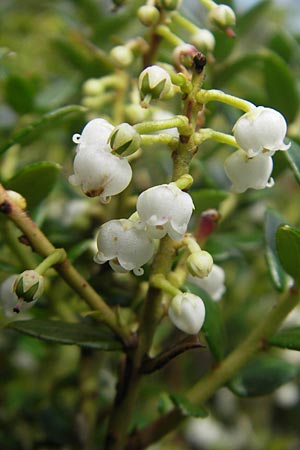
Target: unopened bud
[92, 87]
[199, 264]
[125, 140]
[122, 56]
[148, 15]
[29, 285]
[187, 312]
[204, 40]
[170, 5]
[222, 16]
[154, 82]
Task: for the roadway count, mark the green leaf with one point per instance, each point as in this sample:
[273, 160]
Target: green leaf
[208, 198]
[34, 181]
[293, 158]
[288, 248]
[262, 375]
[68, 333]
[278, 276]
[20, 137]
[252, 16]
[186, 407]
[213, 327]
[19, 93]
[288, 338]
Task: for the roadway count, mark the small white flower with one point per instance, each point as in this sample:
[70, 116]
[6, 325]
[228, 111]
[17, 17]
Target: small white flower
[165, 209]
[259, 130]
[204, 40]
[187, 312]
[148, 15]
[245, 172]
[94, 135]
[213, 284]
[154, 81]
[8, 299]
[125, 245]
[100, 173]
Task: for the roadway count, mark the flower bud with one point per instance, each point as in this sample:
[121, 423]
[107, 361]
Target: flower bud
[199, 264]
[245, 173]
[148, 15]
[222, 16]
[187, 312]
[121, 55]
[92, 86]
[165, 209]
[9, 302]
[259, 130]
[29, 285]
[17, 199]
[170, 5]
[213, 284]
[154, 82]
[204, 40]
[124, 140]
[125, 245]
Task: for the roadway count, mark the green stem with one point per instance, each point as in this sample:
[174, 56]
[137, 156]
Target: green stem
[179, 122]
[209, 4]
[23, 254]
[58, 256]
[220, 375]
[159, 281]
[185, 23]
[41, 245]
[164, 32]
[208, 133]
[165, 139]
[215, 95]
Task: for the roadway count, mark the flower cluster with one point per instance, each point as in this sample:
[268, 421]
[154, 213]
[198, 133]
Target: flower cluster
[259, 133]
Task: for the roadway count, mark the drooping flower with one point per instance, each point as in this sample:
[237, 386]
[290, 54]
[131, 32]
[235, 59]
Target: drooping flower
[245, 172]
[222, 16]
[213, 284]
[125, 245]
[200, 263]
[187, 312]
[94, 135]
[29, 285]
[261, 129]
[100, 173]
[9, 301]
[155, 82]
[165, 209]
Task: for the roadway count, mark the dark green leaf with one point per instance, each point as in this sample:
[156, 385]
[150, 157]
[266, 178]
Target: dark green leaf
[35, 181]
[187, 408]
[20, 137]
[293, 157]
[252, 16]
[288, 338]
[288, 249]
[68, 333]
[208, 198]
[213, 328]
[278, 276]
[261, 376]
[19, 93]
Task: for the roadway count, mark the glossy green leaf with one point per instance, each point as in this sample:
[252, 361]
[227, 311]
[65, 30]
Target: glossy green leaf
[288, 338]
[213, 327]
[262, 376]
[293, 158]
[35, 181]
[96, 337]
[278, 276]
[288, 249]
[208, 198]
[21, 136]
[187, 408]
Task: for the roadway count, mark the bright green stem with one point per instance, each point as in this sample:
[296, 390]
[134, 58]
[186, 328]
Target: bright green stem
[215, 95]
[41, 245]
[58, 256]
[208, 133]
[164, 32]
[160, 282]
[179, 122]
[162, 138]
[191, 244]
[184, 182]
[209, 4]
[220, 375]
[185, 23]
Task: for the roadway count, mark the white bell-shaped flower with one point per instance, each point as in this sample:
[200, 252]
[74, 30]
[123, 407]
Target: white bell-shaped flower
[100, 173]
[165, 209]
[95, 134]
[125, 245]
[154, 81]
[213, 284]
[9, 302]
[187, 312]
[245, 172]
[259, 130]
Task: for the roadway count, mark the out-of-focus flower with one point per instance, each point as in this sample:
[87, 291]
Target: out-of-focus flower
[222, 16]
[213, 284]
